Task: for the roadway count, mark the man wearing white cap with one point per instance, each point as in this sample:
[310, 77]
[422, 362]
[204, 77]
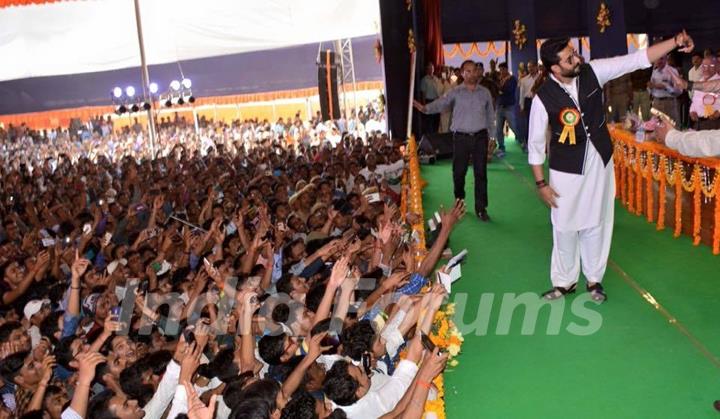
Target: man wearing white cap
[35, 312]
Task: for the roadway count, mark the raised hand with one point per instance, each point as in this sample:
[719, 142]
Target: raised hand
[450, 218]
[79, 266]
[48, 363]
[87, 362]
[315, 348]
[685, 42]
[339, 272]
[196, 408]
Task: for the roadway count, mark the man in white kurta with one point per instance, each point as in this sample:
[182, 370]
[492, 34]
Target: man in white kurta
[582, 205]
[703, 144]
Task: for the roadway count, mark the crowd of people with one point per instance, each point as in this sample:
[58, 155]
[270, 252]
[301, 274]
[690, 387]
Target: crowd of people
[233, 274]
[636, 92]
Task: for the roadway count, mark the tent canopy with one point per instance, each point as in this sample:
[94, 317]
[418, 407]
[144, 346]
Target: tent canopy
[72, 37]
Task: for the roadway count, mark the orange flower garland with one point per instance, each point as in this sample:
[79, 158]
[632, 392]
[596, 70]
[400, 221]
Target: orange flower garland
[649, 186]
[630, 172]
[638, 182]
[697, 206]
[444, 333]
[678, 200]
[716, 232]
[661, 194]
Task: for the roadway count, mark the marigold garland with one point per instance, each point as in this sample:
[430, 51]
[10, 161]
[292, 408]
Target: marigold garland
[670, 170]
[661, 194]
[649, 186]
[716, 232]
[638, 185]
[444, 333]
[678, 205]
[697, 207]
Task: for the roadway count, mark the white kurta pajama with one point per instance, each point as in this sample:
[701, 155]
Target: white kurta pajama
[583, 220]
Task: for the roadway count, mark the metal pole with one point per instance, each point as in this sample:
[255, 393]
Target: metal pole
[413, 59]
[145, 78]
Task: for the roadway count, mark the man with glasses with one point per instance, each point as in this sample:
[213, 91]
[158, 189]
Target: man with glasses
[705, 107]
[472, 119]
[581, 186]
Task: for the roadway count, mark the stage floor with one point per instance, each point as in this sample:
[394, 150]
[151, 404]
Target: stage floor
[656, 354]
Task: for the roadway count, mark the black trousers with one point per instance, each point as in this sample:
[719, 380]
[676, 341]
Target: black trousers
[465, 148]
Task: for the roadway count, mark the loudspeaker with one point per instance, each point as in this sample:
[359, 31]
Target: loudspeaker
[440, 144]
[328, 87]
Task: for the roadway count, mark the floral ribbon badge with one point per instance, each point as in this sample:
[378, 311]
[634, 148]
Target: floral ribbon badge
[708, 102]
[570, 118]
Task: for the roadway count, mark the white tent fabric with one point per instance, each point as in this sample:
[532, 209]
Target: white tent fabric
[99, 35]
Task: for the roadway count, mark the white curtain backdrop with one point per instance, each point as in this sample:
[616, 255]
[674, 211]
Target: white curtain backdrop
[99, 35]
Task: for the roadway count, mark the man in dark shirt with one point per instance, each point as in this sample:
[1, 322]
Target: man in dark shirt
[507, 110]
[487, 82]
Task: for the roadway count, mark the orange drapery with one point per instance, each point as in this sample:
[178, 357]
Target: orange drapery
[11, 3]
[61, 117]
[475, 49]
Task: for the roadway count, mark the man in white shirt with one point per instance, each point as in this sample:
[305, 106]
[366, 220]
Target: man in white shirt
[663, 89]
[689, 143]
[430, 88]
[705, 106]
[526, 93]
[364, 394]
[526, 84]
[581, 187]
[695, 72]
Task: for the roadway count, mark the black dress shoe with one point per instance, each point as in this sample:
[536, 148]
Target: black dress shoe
[483, 215]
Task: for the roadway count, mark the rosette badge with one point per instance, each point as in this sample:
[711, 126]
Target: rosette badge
[569, 117]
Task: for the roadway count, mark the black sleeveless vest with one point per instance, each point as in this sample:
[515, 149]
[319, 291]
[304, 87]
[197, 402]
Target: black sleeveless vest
[565, 157]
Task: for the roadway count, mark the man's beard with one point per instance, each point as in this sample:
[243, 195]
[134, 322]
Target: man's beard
[572, 73]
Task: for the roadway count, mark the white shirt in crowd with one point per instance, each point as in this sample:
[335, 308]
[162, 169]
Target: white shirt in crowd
[665, 76]
[384, 394]
[526, 84]
[695, 74]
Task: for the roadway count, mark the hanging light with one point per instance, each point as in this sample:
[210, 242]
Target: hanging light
[130, 91]
[175, 85]
[153, 88]
[147, 106]
[117, 92]
[135, 107]
[187, 83]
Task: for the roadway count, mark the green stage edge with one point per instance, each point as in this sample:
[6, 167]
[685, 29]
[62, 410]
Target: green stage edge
[639, 364]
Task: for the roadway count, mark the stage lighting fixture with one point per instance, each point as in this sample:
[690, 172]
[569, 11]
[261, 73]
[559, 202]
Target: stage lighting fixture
[130, 91]
[120, 109]
[135, 108]
[117, 92]
[175, 85]
[181, 101]
[146, 106]
[191, 99]
[187, 83]
[153, 88]
[168, 103]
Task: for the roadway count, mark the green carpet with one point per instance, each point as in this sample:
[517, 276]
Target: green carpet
[639, 364]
